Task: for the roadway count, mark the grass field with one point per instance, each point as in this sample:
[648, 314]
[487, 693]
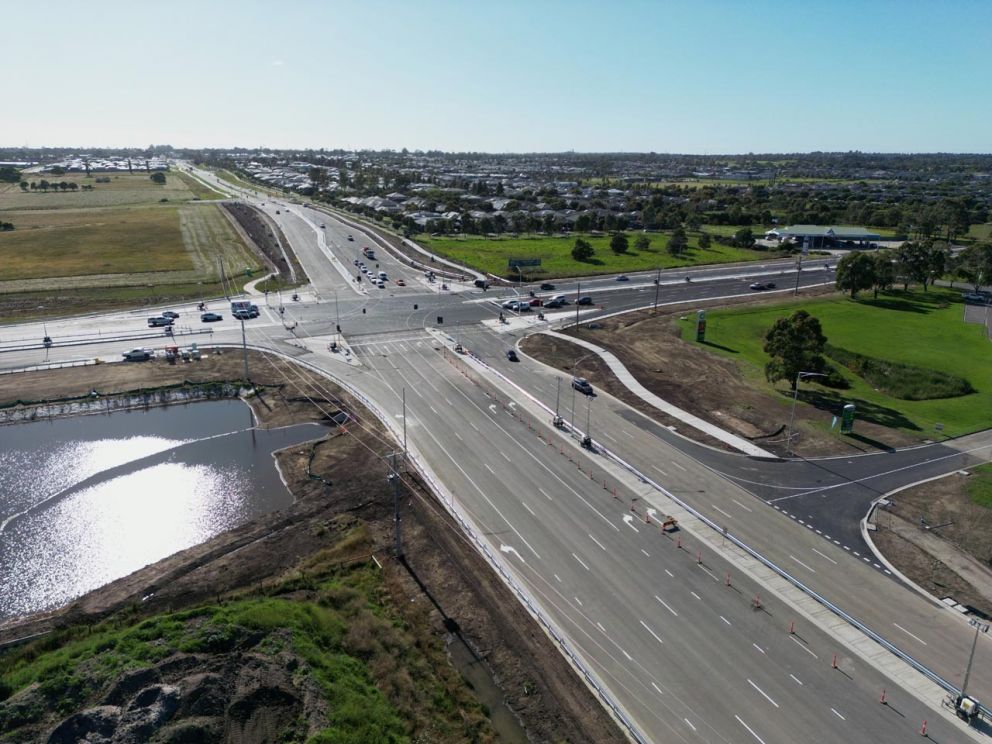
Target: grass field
[980, 486]
[981, 232]
[197, 188]
[924, 329]
[123, 188]
[491, 255]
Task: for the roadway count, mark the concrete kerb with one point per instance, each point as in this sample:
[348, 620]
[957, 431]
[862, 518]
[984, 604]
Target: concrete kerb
[875, 650]
[446, 499]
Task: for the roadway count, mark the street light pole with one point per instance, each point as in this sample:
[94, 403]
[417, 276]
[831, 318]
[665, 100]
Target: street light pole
[795, 398]
[979, 628]
[657, 286]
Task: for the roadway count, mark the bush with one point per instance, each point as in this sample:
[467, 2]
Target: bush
[903, 381]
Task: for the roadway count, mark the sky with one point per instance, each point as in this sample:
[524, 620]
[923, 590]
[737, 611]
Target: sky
[700, 76]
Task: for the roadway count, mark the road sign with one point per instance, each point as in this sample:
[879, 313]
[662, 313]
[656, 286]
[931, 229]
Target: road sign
[847, 419]
[700, 325]
[518, 262]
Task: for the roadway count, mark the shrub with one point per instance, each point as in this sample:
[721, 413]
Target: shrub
[903, 381]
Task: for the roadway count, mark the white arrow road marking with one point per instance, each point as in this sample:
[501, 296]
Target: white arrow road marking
[510, 549]
[629, 521]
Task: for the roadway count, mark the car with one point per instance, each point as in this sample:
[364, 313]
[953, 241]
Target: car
[975, 298]
[553, 303]
[137, 355]
[211, 317]
[159, 320]
[536, 302]
[511, 355]
[380, 284]
[351, 238]
[623, 278]
[400, 283]
[547, 287]
[582, 385]
[509, 305]
[559, 298]
[758, 286]
[355, 261]
[278, 212]
[584, 301]
[242, 314]
[322, 226]
[170, 314]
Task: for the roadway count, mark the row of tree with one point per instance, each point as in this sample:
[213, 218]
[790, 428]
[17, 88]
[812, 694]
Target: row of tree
[921, 262]
[46, 185]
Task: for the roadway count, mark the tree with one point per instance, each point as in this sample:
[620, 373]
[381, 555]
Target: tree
[794, 345]
[912, 263]
[855, 271]
[619, 243]
[158, 177]
[974, 264]
[744, 238]
[883, 271]
[678, 242]
[43, 185]
[705, 241]
[649, 216]
[9, 174]
[643, 243]
[23, 185]
[582, 250]
[583, 222]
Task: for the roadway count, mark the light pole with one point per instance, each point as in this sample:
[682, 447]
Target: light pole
[795, 397]
[587, 439]
[979, 628]
[657, 286]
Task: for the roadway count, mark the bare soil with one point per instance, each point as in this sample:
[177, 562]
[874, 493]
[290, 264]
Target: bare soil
[262, 233]
[704, 384]
[437, 588]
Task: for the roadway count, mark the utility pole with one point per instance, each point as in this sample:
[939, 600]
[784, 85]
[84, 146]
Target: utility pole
[795, 398]
[337, 320]
[979, 628]
[578, 294]
[397, 520]
[587, 439]
[244, 348]
[404, 425]
[557, 419]
[657, 286]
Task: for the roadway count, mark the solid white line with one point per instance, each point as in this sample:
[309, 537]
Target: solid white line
[696, 596]
[528, 509]
[596, 541]
[545, 493]
[651, 632]
[629, 657]
[645, 552]
[725, 619]
[767, 696]
[910, 634]
[489, 468]
[712, 575]
[758, 647]
[838, 715]
[801, 563]
[722, 511]
[803, 647]
[669, 573]
[580, 561]
[798, 681]
[679, 466]
[741, 505]
[665, 605]
[694, 728]
[824, 556]
[749, 729]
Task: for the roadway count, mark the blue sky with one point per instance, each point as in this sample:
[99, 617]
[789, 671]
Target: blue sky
[507, 76]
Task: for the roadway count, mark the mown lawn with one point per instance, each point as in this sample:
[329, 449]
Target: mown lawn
[492, 255]
[97, 241]
[924, 329]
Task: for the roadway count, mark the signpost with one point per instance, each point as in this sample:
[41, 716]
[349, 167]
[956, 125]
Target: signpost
[847, 419]
[700, 326]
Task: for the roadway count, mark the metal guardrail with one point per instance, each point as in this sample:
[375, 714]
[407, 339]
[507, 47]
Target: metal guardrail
[110, 340]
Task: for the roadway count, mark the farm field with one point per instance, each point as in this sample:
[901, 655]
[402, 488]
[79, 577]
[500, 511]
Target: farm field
[924, 329]
[123, 188]
[492, 255]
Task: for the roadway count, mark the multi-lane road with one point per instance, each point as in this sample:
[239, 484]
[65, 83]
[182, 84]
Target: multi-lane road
[686, 633]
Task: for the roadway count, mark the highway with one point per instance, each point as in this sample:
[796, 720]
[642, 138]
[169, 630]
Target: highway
[687, 656]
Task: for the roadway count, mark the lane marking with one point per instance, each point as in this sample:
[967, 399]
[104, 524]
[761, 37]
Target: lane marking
[725, 619]
[433, 409]
[580, 561]
[767, 696]
[798, 681]
[458, 436]
[448, 401]
[610, 438]
[545, 493]
[624, 431]
[660, 470]
[749, 729]
[645, 552]
[712, 575]
[596, 541]
[489, 468]
[600, 626]
[838, 715]
[758, 647]
[745, 508]
[559, 578]
[910, 634]
[473, 426]
[694, 728]
[731, 516]
[803, 647]
[696, 596]
[579, 601]
[679, 466]
[657, 688]
[663, 604]
[504, 456]
[651, 632]
[801, 563]
[669, 573]
[822, 555]
[629, 657]
[528, 509]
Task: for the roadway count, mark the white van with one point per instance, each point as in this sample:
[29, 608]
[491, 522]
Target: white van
[382, 276]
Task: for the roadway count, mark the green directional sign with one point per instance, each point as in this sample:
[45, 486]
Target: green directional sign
[700, 325]
[518, 262]
[847, 419]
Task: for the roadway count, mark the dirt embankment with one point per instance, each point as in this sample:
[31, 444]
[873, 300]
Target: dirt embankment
[260, 231]
[444, 589]
[704, 384]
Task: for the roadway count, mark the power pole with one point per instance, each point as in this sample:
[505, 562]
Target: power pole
[578, 294]
[244, 348]
[657, 286]
[397, 519]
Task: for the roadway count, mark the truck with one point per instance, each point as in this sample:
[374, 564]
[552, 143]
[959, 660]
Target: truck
[368, 253]
[243, 309]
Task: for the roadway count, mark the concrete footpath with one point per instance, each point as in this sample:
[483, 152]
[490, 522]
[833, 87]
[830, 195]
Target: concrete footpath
[624, 375]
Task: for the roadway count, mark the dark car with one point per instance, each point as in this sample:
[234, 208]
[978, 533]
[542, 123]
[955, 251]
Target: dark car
[769, 285]
[170, 314]
[547, 286]
[512, 355]
[536, 302]
[553, 303]
[584, 301]
[757, 286]
[623, 278]
[582, 385]
[211, 317]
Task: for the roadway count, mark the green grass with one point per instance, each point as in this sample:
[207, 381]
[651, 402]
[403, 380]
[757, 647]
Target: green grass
[197, 188]
[980, 485]
[104, 241]
[122, 189]
[921, 329]
[491, 255]
[981, 232]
